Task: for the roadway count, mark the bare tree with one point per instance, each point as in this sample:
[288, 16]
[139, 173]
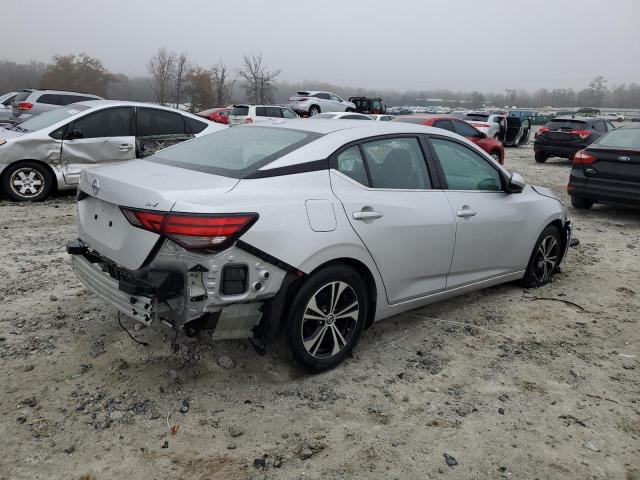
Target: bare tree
[162, 68]
[181, 69]
[222, 84]
[200, 88]
[259, 82]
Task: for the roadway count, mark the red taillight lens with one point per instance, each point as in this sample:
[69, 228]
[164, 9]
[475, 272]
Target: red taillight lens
[480, 125]
[581, 133]
[193, 231]
[584, 158]
[541, 131]
[25, 106]
[248, 120]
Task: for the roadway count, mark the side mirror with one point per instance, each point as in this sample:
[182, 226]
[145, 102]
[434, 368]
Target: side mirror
[75, 133]
[516, 183]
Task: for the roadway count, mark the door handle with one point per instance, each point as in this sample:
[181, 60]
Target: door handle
[466, 213]
[366, 215]
[125, 147]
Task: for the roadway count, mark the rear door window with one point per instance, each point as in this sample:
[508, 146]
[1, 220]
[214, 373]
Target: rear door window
[112, 122]
[154, 122]
[599, 126]
[274, 112]
[261, 112]
[464, 129]
[397, 163]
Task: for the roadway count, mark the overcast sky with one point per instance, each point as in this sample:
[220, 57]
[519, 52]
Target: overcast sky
[487, 45]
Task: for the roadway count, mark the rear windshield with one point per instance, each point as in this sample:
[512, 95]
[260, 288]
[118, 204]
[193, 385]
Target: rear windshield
[476, 116]
[240, 111]
[22, 96]
[419, 121]
[622, 138]
[234, 152]
[568, 124]
[47, 119]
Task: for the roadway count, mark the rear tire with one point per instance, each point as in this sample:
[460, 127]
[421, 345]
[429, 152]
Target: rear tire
[496, 156]
[27, 182]
[581, 203]
[314, 110]
[541, 157]
[327, 317]
[545, 258]
[349, 110]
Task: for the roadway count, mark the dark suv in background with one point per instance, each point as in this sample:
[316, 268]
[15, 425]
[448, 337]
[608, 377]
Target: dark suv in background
[29, 102]
[563, 137]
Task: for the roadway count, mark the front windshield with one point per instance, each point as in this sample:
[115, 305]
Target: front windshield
[47, 119]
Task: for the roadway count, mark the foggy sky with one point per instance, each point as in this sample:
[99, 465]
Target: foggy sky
[485, 45]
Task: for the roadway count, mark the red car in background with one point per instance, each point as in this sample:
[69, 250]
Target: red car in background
[219, 115]
[490, 145]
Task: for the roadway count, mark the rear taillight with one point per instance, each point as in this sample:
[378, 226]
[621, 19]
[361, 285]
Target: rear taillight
[581, 133]
[193, 231]
[480, 125]
[248, 120]
[584, 158]
[25, 106]
[541, 131]
[302, 99]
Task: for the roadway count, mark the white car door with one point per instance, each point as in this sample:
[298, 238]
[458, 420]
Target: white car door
[336, 103]
[324, 102]
[407, 226]
[492, 234]
[102, 137]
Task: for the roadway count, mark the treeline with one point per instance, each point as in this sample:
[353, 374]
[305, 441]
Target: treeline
[175, 79]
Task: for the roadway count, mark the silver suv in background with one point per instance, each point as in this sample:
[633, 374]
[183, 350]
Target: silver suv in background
[313, 102]
[28, 103]
[5, 105]
[259, 113]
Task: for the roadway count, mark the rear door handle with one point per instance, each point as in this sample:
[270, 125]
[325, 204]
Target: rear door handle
[466, 213]
[366, 215]
[124, 147]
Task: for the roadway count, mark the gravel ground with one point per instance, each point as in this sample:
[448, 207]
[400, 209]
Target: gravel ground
[503, 383]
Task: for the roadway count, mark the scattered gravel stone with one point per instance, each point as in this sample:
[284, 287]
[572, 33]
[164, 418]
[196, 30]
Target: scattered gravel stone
[226, 362]
[306, 453]
[235, 432]
[451, 461]
[185, 406]
[29, 402]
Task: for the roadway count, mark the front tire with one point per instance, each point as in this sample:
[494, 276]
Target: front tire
[581, 203]
[545, 258]
[541, 157]
[314, 110]
[327, 317]
[27, 181]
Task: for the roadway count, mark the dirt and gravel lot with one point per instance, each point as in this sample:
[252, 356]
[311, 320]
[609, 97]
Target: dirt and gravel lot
[504, 383]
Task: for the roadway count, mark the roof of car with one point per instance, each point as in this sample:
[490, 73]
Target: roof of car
[574, 117]
[41, 90]
[323, 127]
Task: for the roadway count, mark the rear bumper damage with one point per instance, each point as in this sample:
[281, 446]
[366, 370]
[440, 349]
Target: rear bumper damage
[222, 291]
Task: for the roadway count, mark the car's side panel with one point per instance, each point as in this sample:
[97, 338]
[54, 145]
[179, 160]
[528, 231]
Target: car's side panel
[85, 152]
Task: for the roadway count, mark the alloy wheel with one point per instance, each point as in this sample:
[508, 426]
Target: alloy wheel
[329, 320]
[27, 182]
[545, 259]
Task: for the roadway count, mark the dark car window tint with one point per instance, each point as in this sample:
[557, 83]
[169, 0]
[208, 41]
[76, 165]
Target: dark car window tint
[194, 126]
[261, 112]
[569, 124]
[324, 96]
[465, 169]
[51, 99]
[464, 129]
[446, 124]
[350, 163]
[240, 111]
[355, 117]
[113, 122]
[152, 122]
[397, 163]
[274, 112]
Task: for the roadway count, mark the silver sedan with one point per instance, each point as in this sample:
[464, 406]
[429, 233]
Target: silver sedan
[48, 151]
[310, 229]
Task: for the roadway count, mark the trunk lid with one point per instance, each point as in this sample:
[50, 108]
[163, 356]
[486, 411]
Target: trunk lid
[615, 164]
[143, 185]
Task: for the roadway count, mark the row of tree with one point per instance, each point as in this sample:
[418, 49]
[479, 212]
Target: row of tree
[175, 79]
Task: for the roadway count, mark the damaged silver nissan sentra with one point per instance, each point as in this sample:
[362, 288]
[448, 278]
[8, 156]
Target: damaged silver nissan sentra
[309, 228]
[48, 151]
